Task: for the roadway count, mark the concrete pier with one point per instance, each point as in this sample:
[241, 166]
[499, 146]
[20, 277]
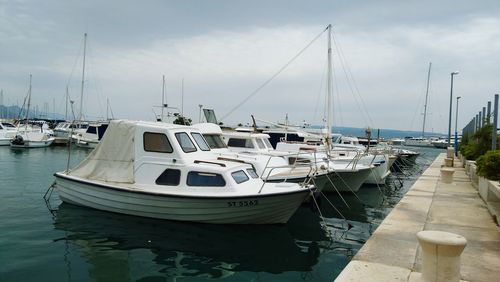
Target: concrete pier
[392, 253]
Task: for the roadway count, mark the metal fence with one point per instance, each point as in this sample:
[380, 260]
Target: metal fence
[483, 118]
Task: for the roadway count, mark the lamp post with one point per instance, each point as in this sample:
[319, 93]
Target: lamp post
[451, 104]
[456, 131]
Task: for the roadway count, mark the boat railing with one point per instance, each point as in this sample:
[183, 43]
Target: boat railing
[312, 166]
[266, 179]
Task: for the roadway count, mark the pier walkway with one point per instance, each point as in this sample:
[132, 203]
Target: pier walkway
[392, 253]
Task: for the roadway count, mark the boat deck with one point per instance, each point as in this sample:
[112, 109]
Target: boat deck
[392, 253]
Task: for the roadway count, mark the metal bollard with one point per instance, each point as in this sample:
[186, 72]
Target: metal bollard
[441, 255]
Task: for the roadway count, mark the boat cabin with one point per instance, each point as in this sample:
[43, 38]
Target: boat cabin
[160, 154]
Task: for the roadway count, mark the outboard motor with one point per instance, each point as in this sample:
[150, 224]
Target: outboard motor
[18, 140]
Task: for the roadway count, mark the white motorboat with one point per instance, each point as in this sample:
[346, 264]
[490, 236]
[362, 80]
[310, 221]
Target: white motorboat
[26, 137]
[293, 161]
[90, 136]
[30, 139]
[168, 171]
[7, 132]
[271, 165]
[418, 142]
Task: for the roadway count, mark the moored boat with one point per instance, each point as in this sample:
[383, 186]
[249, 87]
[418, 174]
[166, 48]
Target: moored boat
[167, 171]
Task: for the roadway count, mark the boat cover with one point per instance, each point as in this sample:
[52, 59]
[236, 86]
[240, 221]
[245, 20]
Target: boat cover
[113, 158]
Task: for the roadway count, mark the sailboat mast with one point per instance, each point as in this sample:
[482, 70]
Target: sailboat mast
[28, 108]
[329, 93]
[83, 74]
[162, 97]
[426, 96]
[66, 111]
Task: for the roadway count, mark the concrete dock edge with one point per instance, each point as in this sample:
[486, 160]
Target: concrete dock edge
[392, 252]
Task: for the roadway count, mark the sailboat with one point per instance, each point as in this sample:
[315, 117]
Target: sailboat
[28, 138]
[422, 141]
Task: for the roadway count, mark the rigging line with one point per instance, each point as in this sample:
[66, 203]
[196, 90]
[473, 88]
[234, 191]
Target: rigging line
[318, 97]
[337, 102]
[274, 75]
[350, 79]
[75, 63]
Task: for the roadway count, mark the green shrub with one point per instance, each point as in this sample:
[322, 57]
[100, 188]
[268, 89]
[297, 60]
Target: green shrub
[488, 165]
[478, 144]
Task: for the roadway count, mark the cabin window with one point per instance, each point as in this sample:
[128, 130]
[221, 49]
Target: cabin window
[214, 141]
[186, 144]
[240, 143]
[200, 141]
[169, 177]
[156, 142]
[239, 176]
[196, 178]
[92, 129]
[260, 143]
[252, 173]
[268, 144]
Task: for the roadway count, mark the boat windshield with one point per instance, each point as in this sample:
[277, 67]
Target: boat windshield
[240, 143]
[239, 176]
[200, 141]
[260, 143]
[215, 141]
[8, 125]
[186, 144]
[268, 144]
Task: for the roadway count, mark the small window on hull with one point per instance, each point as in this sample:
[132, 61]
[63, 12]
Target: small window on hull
[196, 178]
[170, 177]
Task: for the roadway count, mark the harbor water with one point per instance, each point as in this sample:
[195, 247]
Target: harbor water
[61, 242]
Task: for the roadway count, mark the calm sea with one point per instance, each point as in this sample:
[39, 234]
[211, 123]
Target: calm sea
[78, 244]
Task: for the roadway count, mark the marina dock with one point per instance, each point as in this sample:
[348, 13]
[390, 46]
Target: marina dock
[392, 253]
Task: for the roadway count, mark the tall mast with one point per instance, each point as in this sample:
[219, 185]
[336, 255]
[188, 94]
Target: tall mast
[107, 108]
[182, 98]
[426, 96]
[66, 110]
[28, 108]
[329, 91]
[162, 97]
[83, 74]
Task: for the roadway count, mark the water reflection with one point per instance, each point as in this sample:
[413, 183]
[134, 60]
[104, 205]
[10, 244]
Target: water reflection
[114, 242]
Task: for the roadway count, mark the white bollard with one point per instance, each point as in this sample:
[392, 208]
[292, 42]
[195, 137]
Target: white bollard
[441, 255]
[450, 152]
[448, 162]
[447, 175]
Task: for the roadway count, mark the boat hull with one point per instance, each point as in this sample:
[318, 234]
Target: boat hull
[346, 180]
[33, 144]
[252, 209]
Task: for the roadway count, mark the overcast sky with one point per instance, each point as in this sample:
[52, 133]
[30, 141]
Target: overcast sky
[225, 50]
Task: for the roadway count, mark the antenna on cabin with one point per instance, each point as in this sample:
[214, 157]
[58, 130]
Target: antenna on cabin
[254, 123]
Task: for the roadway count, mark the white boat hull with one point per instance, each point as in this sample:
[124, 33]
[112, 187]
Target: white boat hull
[252, 209]
[90, 144]
[5, 141]
[346, 180]
[34, 144]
